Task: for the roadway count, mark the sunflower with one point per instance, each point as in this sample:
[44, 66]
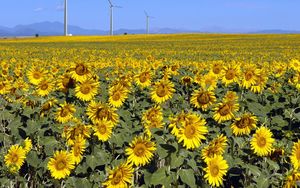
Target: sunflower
[162, 91]
[120, 177]
[140, 151]
[152, 118]
[261, 79]
[80, 72]
[15, 158]
[191, 131]
[262, 142]
[65, 82]
[209, 82]
[230, 74]
[244, 124]
[225, 111]
[46, 107]
[99, 111]
[203, 99]
[230, 96]
[4, 87]
[61, 164]
[177, 122]
[86, 90]
[35, 75]
[72, 132]
[295, 156]
[292, 179]
[215, 147]
[44, 87]
[65, 112]
[117, 95]
[143, 79]
[295, 64]
[216, 168]
[296, 80]
[27, 145]
[187, 80]
[217, 67]
[78, 149]
[103, 129]
[248, 76]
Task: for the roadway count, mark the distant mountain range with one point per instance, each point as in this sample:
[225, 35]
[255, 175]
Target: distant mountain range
[56, 28]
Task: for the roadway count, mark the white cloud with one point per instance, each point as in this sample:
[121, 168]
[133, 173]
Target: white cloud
[39, 9]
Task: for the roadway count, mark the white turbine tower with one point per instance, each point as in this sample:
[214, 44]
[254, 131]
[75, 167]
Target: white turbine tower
[147, 21]
[111, 32]
[66, 18]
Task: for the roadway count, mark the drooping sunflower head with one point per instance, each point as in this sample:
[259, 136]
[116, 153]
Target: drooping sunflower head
[261, 79]
[27, 145]
[192, 131]
[87, 89]
[120, 176]
[203, 99]
[152, 114]
[225, 111]
[103, 129]
[295, 156]
[78, 148]
[262, 142]
[216, 168]
[98, 111]
[15, 158]
[187, 80]
[66, 82]
[215, 147]
[140, 151]
[244, 124]
[162, 91]
[292, 179]
[72, 132]
[61, 164]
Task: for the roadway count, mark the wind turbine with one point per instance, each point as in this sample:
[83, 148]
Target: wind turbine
[111, 32]
[147, 21]
[66, 18]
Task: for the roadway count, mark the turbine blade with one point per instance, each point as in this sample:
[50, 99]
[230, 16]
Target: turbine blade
[110, 2]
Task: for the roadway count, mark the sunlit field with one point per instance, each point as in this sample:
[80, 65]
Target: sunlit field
[180, 110]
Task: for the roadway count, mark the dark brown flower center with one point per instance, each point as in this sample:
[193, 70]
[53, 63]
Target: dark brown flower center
[261, 141]
[161, 90]
[139, 149]
[189, 131]
[224, 110]
[81, 69]
[203, 98]
[85, 89]
[230, 74]
[214, 170]
[60, 164]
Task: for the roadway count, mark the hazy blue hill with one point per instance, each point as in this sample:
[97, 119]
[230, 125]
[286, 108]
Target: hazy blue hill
[57, 28]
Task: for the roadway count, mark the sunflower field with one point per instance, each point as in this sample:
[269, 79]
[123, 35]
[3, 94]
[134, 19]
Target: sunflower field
[184, 110]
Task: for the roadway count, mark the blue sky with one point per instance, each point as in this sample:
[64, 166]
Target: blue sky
[187, 14]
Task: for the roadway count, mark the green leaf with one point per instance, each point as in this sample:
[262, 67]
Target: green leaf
[32, 159]
[273, 165]
[158, 177]
[262, 182]
[279, 121]
[176, 161]
[254, 170]
[187, 176]
[91, 161]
